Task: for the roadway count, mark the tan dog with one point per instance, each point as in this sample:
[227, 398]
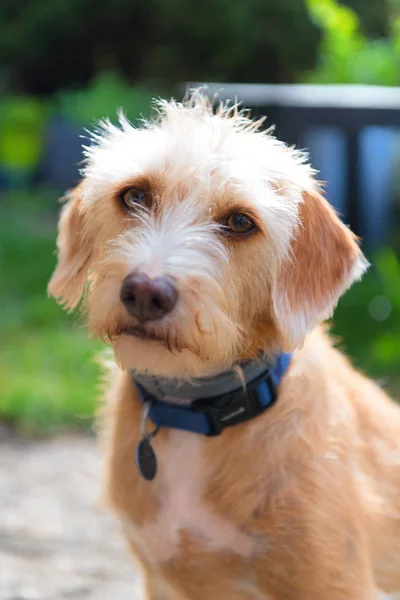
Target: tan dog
[201, 242]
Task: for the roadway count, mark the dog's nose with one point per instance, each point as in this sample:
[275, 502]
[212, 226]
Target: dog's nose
[148, 299]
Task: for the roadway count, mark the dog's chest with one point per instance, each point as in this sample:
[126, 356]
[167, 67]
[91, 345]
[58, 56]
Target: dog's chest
[178, 494]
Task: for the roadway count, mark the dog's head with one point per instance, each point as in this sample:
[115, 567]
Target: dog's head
[199, 240]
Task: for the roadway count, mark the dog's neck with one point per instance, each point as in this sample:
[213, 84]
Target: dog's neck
[187, 390]
[211, 404]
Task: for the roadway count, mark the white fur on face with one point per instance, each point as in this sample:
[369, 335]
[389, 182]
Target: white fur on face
[189, 143]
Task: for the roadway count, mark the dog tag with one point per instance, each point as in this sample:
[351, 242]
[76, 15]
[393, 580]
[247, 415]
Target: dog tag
[145, 459]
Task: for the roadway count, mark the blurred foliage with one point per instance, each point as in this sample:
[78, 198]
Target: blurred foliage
[45, 46]
[368, 319]
[21, 131]
[373, 15]
[105, 94]
[347, 55]
[40, 139]
[48, 364]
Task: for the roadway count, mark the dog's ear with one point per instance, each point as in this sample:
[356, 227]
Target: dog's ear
[324, 261]
[74, 253]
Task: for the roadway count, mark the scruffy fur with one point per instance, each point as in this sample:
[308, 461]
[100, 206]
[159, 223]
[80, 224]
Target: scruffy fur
[302, 502]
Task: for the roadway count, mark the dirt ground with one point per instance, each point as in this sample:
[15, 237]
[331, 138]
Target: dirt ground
[55, 541]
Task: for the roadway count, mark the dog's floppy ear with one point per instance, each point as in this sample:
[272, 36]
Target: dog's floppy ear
[74, 253]
[324, 261]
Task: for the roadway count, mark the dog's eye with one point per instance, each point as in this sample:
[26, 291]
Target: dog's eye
[134, 197]
[239, 223]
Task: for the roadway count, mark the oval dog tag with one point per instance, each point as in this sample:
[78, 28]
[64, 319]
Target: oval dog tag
[145, 459]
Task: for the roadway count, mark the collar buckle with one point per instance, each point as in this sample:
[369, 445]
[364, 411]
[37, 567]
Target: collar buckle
[238, 406]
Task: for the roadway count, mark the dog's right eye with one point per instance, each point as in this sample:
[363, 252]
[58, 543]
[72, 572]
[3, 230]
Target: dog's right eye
[134, 197]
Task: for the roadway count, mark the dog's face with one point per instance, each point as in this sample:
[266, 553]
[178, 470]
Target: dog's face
[198, 241]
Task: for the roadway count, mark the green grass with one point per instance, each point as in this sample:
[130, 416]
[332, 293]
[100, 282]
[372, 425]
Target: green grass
[48, 372]
[48, 380]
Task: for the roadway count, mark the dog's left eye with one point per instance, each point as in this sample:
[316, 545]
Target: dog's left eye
[239, 223]
[134, 197]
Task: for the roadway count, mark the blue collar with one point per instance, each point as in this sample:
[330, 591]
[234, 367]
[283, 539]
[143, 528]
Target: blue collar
[211, 414]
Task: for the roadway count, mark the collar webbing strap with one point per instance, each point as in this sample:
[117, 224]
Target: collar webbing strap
[205, 387]
[209, 415]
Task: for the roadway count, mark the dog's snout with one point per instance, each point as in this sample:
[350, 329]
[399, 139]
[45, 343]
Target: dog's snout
[148, 299]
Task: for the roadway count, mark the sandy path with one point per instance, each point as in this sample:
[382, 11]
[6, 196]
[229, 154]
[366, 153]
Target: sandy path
[55, 543]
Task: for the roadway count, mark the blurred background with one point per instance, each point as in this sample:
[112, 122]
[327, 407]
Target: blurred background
[324, 71]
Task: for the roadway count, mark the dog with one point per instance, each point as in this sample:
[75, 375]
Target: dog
[246, 458]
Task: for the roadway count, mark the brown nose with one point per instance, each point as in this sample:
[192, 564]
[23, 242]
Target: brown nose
[148, 299]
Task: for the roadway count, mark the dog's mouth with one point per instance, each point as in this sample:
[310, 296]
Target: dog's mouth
[143, 333]
[168, 338]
